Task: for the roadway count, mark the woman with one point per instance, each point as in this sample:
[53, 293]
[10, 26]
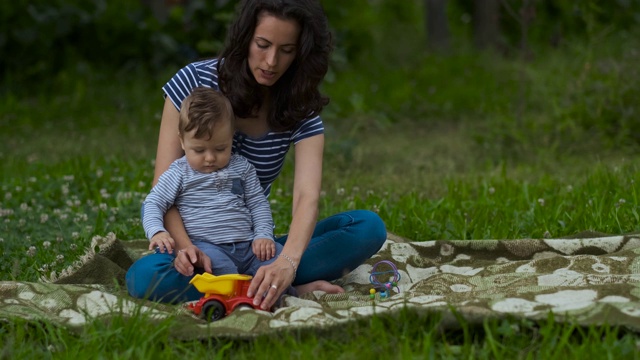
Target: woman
[276, 55]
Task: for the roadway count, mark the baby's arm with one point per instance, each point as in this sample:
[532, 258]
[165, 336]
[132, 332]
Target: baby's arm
[156, 204]
[263, 246]
[162, 241]
[264, 249]
[258, 205]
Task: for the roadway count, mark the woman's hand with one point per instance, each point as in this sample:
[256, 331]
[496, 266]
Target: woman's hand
[189, 258]
[270, 282]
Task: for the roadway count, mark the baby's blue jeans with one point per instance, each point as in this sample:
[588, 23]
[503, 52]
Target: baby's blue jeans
[339, 244]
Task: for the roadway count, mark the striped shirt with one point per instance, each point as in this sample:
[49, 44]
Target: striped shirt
[221, 207]
[267, 153]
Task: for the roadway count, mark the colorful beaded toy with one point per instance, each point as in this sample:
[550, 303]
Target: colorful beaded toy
[384, 287]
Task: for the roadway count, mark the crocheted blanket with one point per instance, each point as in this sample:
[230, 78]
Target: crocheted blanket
[589, 279]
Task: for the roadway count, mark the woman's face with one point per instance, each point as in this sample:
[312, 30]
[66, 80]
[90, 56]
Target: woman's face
[273, 48]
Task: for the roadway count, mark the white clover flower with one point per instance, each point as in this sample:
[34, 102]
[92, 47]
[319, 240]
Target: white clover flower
[5, 212]
[68, 178]
[541, 201]
[33, 179]
[492, 190]
[24, 207]
[141, 184]
[60, 258]
[32, 251]
[273, 201]
[124, 195]
[569, 188]
[18, 188]
[59, 238]
[1, 240]
[46, 244]
[65, 189]
[44, 218]
[75, 235]
[73, 246]
[99, 173]
[622, 201]
[340, 191]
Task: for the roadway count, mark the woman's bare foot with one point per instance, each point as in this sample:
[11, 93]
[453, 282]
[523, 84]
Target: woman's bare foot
[319, 285]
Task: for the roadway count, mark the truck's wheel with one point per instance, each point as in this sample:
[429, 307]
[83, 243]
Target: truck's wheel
[213, 310]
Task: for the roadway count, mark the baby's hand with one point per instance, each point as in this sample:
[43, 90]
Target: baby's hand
[264, 249]
[163, 242]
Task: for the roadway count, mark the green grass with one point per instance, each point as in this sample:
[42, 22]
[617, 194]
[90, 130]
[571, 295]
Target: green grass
[76, 160]
[406, 334]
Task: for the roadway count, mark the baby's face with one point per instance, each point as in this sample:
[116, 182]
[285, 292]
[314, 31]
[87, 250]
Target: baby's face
[209, 155]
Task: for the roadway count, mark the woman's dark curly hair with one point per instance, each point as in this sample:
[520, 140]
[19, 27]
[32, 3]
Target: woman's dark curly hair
[295, 96]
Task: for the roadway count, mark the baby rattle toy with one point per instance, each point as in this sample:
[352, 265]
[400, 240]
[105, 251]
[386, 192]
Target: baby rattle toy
[384, 287]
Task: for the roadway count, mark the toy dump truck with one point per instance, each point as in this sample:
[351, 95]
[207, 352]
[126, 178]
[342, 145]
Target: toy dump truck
[222, 295]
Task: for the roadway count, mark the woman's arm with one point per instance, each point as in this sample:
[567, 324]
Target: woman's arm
[170, 149]
[306, 194]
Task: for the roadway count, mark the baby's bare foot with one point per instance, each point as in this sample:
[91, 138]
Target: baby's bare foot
[319, 285]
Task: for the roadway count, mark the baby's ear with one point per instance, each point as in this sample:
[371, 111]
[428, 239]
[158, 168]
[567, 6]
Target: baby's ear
[181, 141]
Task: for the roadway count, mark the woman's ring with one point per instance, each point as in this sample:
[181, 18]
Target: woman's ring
[273, 286]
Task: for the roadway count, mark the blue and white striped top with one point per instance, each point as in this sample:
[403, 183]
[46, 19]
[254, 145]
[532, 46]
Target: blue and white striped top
[221, 207]
[267, 153]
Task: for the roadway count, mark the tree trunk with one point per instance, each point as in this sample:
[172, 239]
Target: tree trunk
[437, 24]
[485, 23]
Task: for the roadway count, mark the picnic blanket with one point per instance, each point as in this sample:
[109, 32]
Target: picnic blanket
[588, 279]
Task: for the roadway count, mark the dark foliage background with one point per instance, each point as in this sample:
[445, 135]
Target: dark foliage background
[557, 68]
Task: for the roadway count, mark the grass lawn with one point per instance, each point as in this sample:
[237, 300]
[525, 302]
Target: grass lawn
[76, 160]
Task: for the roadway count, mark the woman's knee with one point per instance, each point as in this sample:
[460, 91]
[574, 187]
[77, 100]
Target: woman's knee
[370, 225]
[146, 271]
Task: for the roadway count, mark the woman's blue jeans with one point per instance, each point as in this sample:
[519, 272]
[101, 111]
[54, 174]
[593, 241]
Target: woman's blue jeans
[339, 244]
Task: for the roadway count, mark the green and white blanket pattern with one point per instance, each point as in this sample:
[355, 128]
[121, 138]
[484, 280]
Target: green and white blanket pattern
[589, 279]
